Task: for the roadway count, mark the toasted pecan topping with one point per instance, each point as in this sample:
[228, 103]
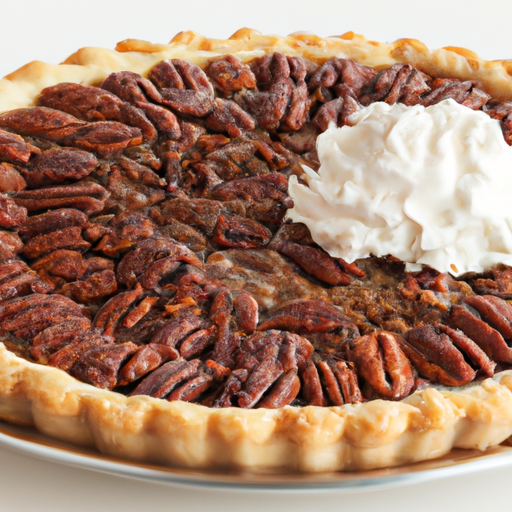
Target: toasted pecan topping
[144, 245]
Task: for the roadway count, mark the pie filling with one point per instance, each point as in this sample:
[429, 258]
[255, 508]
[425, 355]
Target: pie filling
[145, 247]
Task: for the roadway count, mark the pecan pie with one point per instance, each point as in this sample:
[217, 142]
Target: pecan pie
[156, 303]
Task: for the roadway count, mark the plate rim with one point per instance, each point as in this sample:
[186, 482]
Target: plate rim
[29, 441]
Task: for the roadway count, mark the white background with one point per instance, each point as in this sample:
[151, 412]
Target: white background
[50, 30]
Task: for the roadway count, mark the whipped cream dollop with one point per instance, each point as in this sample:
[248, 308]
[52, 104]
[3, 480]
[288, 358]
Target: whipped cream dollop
[427, 185]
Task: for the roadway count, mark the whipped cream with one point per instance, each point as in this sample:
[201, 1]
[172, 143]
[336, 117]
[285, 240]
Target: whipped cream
[428, 185]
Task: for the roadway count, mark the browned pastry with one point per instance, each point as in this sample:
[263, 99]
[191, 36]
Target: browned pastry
[144, 250]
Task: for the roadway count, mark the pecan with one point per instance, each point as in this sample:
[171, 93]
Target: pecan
[192, 389]
[145, 360]
[37, 121]
[139, 311]
[124, 231]
[91, 290]
[283, 392]
[140, 173]
[56, 165]
[503, 112]
[129, 193]
[466, 93]
[163, 380]
[313, 260]
[347, 379]
[342, 71]
[233, 384]
[267, 356]
[152, 259]
[177, 329]
[194, 344]
[10, 179]
[11, 213]
[487, 338]
[236, 231]
[110, 314]
[199, 213]
[190, 132]
[54, 220]
[186, 235]
[56, 337]
[434, 355]
[264, 197]
[227, 116]
[269, 104]
[308, 316]
[16, 280]
[495, 311]
[206, 179]
[88, 197]
[239, 158]
[498, 283]
[261, 377]
[311, 386]
[10, 244]
[301, 141]
[246, 311]
[136, 90]
[95, 104]
[62, 263]
[183, 87]
[106, 138]
[230, 74]
[337, 111]
[220, 314]
[99, 366]
[67, 238]
[470, 349]
[14, 149]
[27, 316]
[382, 365]
[69, 354]
[331, 384]
[400, 82]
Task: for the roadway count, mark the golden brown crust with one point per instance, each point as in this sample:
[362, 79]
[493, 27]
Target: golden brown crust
[375, 434]
[361, 436]
[92, 65]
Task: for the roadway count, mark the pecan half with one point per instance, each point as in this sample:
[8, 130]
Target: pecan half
[136, 90]
[308, 316]
[100, 366]
[435, 357]
[14, 149]
[10, 179]
[95, 104]
[11, 213]
[57, 165]
[87, 196]
[382, 365]
[152, 259]
[487, 338]
[183, 87]
[268, 104]
[240, 232]
[230, 74]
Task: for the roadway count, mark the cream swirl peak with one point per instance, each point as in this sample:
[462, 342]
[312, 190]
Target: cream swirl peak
[427, 185]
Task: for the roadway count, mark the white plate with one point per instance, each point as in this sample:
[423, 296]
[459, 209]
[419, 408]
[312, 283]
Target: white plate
[458, 462]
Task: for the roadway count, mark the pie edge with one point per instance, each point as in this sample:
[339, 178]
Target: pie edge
[428, 424]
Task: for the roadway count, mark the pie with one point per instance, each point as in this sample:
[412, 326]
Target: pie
[156, 304]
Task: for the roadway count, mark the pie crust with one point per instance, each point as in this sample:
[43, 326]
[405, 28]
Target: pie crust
[374, 434]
